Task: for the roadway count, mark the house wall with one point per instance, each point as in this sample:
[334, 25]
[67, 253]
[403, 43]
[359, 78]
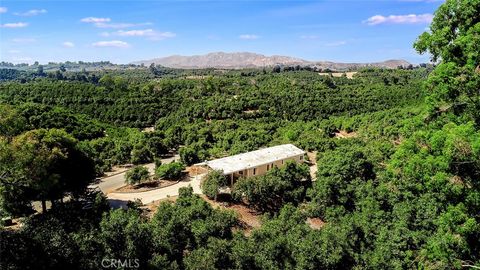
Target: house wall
[263, 169]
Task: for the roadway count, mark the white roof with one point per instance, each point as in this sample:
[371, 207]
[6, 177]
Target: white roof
[253, 159]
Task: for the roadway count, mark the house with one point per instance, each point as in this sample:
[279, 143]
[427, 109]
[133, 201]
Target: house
[254, 163]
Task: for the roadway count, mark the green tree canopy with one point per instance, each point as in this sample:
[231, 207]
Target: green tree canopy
[137, 175]
[172, 171]
[454, 40]
[278, 186]
[51, 165]
[212, 182]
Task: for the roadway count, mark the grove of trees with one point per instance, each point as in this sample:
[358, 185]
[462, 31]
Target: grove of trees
[402, 191]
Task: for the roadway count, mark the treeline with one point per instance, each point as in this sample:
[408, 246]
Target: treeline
[291, 96]
[187, 234]
[401, 191]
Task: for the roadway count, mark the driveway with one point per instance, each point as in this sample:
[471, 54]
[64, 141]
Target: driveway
[120, 199]
[111, 183]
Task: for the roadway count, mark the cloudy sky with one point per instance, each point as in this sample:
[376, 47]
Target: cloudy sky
[125, 31]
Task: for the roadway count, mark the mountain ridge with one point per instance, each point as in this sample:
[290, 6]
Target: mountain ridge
[237, 60]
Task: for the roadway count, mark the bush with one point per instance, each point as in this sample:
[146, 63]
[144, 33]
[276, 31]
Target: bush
[212, 182]
[137, 175]
[158, 162]
[170, 171]
[269, 192]
[141, 154]
[192, 154]
[189, 155]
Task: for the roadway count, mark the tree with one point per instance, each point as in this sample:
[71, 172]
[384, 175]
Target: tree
[126, 235]
[217, 255]
[276, 69]
[278, 186]
[15, 194]
[141, 154]
[188, 224]
[172, 171]
[11, 122]
[212, 182]
[189, 155]
[152, 69]
[137, 175]
[107, 81]
[51, 165]
[340, 171]
[40, 70]
[454, 40]
[156, 145]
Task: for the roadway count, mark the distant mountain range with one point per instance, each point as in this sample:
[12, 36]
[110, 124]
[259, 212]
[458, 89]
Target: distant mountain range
[253, 60]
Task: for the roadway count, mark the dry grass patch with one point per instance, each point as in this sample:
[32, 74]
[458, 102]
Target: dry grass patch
[342, 134]
[339, 74]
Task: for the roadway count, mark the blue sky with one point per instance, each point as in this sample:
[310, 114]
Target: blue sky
[125, 31]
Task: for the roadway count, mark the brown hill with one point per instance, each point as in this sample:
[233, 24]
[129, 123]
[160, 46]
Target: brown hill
[254, 60]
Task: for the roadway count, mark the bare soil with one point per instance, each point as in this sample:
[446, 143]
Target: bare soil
[195, 170]
[342, 134]
[249, 219]
[315, 223]
[339, 74]
[312, 156]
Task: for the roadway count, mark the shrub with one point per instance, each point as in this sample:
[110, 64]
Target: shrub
[269, 192]
[137, 175]
[141, 154]
[212, 182]
[170, 171]
[188, 155]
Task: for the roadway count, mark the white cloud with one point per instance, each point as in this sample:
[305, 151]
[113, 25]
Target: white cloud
[106, 23]
[149, 33]
[3, 10]
[119, 25]
[14, 25]
[111, 43]
[68, 44]
[24, 40]
[136, 33]
[95, 20]
[32, 12]
[14, 51]
[248, 36]
[399, 19]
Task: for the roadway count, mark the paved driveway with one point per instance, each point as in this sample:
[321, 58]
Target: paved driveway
[111, 183]
[120, 199]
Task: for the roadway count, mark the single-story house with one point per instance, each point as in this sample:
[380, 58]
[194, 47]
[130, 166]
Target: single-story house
[256, 162]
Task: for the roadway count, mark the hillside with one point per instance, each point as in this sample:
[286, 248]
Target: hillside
[253, 60]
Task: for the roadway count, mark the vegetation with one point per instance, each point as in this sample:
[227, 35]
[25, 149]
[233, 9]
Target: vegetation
[400, 192]
[42, 165]
[137, 175]
[277, 187]
[171, 171]
[212, 182]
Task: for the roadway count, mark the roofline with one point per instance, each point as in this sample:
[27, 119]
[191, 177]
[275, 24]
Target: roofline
[301, 152]
[261, 164]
